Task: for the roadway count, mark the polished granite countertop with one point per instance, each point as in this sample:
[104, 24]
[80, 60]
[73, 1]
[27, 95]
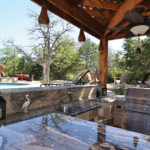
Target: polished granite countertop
[79, 107]
[18, 90]
[60, 132]
[76, 108]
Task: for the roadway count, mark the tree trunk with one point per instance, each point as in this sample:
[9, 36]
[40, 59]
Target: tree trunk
[44, 73]
[47, 73]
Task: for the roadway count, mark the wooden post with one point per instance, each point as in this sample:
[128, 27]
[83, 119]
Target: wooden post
[103, 64]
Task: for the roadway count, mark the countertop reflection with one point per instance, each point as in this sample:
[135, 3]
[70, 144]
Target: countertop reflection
[60, 132]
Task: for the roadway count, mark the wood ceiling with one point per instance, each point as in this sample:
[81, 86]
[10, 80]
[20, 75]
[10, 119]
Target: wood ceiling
[97, 17]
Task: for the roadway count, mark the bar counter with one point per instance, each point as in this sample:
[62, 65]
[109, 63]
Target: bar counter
[60, 132]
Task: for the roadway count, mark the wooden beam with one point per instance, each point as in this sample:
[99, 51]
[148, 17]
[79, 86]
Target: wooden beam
[124, 34]
[107, 15]
[103, 22]
[103, 62]
[99, 17]
[119, 15]
[117, 31]
[78, 14]
[94, 12]
[66, 17]
[99, 4]
[147, 14]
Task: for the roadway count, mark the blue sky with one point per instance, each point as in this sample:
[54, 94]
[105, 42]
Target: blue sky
[15, 22]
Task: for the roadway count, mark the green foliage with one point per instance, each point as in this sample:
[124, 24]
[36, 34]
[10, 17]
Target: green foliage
[66, 61]
[136, 65]
[89, 54]
[17, 63]
[9, 57]
[115, 69]
[122, 89]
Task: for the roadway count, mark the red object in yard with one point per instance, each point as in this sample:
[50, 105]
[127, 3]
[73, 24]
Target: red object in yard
[25, 76]
[3, 74]
[21, 76]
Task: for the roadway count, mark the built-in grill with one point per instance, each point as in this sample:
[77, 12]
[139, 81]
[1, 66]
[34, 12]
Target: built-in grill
[137, 107]
[138, 100]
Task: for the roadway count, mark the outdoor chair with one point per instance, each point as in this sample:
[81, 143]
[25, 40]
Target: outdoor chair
[77, 80]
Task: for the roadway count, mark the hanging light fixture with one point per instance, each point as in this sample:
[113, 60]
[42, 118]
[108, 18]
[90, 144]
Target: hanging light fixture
[138, 47]
[43, 18]
[81, 37]
[139, 30]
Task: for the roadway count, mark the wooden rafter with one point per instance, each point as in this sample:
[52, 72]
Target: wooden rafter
[124, 34]
[119, 15]
[101, 17]
[94, 12]
[146, 13]
[66, 17]
[78, 14]
[117, 31]
[106, 15]
[99, 4]
[103, 22]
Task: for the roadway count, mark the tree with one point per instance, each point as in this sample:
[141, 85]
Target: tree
[65, 60]
[45, 42]
[9, 57]
[89, 53]
[136, 65]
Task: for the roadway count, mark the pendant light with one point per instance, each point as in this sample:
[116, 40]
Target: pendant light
[43, 18]
[139, 30]
[138, 48]
[81, 37]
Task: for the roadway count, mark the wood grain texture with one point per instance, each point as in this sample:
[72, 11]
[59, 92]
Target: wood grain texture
[103, 64]
[119, 15]
[99, 4]
[77, 13]
[67, 17]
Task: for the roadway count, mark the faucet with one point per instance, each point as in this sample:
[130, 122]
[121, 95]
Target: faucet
[70, 98]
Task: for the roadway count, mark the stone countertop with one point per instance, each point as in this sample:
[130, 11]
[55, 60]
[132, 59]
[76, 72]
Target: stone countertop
[60, 132]
[112, 97]
[79, 107]
[18, 90]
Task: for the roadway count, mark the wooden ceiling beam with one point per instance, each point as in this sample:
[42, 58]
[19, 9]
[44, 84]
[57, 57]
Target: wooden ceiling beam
[66, 17]
[99, 4]
[124, 34]
[103, 22]
[147, 14]
[119, 15]
[106, 15]
[114, 33]
[94, 12]
[75, 12]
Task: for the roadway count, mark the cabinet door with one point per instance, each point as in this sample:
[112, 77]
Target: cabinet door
[148, 125]
[136, 122]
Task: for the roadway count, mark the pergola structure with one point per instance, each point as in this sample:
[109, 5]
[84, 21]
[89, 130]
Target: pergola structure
[104, 19]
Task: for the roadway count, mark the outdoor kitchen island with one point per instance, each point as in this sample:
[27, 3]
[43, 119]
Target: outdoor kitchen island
[52, 121]
[60, 132]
